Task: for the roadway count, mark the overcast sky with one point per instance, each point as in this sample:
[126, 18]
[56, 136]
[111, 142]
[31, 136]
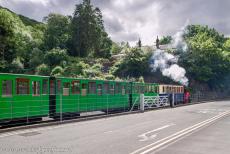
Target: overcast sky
[127, 20]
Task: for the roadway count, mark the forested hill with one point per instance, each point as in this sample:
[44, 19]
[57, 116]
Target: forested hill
[27, 21]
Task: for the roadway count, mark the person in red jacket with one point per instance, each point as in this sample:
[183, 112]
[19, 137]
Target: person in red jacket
[186, 97]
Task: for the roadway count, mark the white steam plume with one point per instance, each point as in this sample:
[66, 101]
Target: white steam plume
[167, 62]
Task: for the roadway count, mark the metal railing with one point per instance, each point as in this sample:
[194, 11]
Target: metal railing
[155, 101]
[34, 109]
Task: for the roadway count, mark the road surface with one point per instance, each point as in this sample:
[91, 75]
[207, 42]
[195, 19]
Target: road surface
[202, 128]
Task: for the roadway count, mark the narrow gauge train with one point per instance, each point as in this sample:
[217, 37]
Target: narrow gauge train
[32, 96]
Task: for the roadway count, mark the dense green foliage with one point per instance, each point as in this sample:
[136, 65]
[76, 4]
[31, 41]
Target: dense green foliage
[78, 46]
[57, 31]
[17, 39]
[134, 64]
[206, 61]
[165, 40]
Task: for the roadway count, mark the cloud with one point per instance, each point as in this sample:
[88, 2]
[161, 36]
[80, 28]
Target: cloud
[127, 20]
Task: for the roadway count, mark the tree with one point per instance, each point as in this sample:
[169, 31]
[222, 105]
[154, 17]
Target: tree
[57, 31]
[88, 34]
[193, 30]
[135, 64]
[7, 39]
[56, 57]
[17, 39]
[205, 61]
[227, 45]
[116, 48]
[36, 58]
[165, 40]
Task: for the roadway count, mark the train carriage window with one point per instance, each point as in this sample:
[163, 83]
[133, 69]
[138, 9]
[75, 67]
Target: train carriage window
[153, 89]
[106, 88]
[112, 89]
[117, 88]
[52, 87]
[84, 89]
[136, 89]
[66, 89]
[142, 89]
[127, 89]
[45, 86]
[146, 89]
[58, 87]
[168, 89]
[36, 88]
[99, 89]
[123, 89]
[157, 89]
[75, 87]
[150, 88]
[92, 87]
[23, 86]
[139, 89]
[7, 88]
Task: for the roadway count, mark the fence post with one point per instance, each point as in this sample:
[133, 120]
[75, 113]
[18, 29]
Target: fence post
[60, 107]
[142, 105]
[107, 102]
[172, 101]
[27, 112]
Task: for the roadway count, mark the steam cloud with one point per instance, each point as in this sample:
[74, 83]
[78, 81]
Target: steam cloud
[167, 62]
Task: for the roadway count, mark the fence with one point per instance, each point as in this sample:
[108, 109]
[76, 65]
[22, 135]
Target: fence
[208, 96]
[33, 109]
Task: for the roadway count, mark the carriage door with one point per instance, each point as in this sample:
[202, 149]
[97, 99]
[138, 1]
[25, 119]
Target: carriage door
[6, 99]
[52, 97]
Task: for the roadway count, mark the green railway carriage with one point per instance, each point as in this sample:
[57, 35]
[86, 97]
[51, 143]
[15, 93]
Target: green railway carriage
[84, 95]
[30, 96]
[23, 96]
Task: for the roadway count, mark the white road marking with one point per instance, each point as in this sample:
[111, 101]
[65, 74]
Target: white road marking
[204, 111]
[108, 132]
[145, 136]
[177, 135]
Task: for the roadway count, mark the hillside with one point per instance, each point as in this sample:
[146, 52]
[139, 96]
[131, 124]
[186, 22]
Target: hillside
[26, 20]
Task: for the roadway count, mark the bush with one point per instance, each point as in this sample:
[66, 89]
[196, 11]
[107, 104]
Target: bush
[42, 69]
[57, 71]
[56, 57]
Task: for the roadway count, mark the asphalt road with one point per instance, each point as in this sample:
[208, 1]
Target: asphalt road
[202, 128]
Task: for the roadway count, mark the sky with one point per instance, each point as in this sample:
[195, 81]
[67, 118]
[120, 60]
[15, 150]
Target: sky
[129, 20]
